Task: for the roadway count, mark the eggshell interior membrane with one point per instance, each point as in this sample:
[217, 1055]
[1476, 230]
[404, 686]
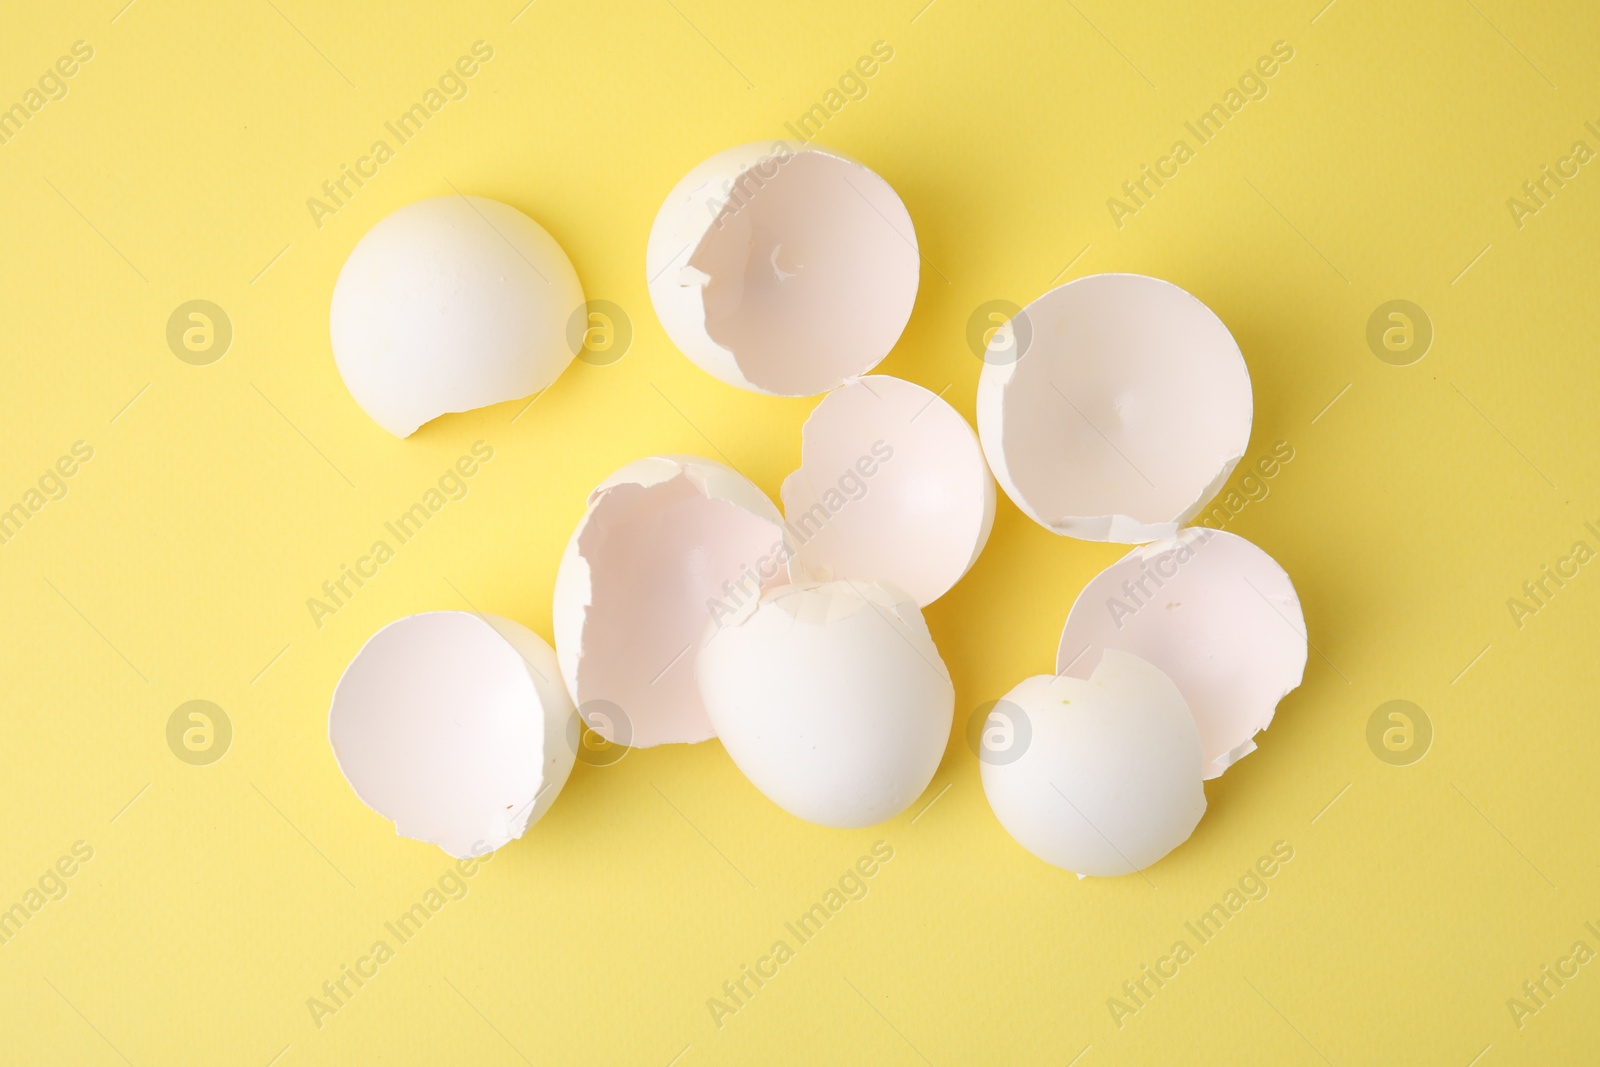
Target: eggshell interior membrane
[1216, 614]
[1109, 779]
[450, 304]
[669, 544]
[892, 485]
[783, 268]
[454, 726]
[832, 699]
[1119, 410]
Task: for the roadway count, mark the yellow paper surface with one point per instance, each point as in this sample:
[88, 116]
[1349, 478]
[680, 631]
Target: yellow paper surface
[175, 563]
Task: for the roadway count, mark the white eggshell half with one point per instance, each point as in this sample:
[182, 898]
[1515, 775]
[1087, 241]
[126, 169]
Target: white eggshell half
[783, 268]
[1118, 411]
[1216, 614]
[892, 486]
[832, 700]
[454, 726]
[1109, 781]
[668, 545]
[450, 304]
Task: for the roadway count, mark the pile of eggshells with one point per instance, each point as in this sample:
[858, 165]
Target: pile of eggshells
[688, 605]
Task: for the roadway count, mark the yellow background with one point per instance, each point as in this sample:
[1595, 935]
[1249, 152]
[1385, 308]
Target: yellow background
[178, 565]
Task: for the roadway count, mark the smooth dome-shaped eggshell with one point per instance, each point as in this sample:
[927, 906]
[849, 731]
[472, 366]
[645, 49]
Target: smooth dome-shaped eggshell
[832, 700]
[892, 486]
[1113, 407]
[450, 304]
[1109, 779]
[1216, 614]
[783, 268]
[454, 726]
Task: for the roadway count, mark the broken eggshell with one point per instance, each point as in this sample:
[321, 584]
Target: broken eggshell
[453, 726]
[1113, 408]
[832, 699]
[1216, 614]
[892, 486]
[667, 544]
[1109, 781]
[783, 268]
[449, 304]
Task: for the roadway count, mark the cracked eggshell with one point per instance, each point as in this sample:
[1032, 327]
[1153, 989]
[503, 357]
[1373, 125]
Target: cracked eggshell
[832, 699]
[1109, 781]
[667, 544]
[449, 304]
[892, 486]
[1118, 412]
[454, 726]
[783, 268]
[1216, 614]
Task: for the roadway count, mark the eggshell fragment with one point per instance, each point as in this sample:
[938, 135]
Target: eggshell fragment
[450, 304]
[453, 725]
[832, 699]
[1213, 612]
[783, 268]
[668, 545]
[1110, 780]
[892, 486]
[1121, 415]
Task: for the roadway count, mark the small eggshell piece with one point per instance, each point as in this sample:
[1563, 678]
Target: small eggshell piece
[892, 486]
[1109, 781]
[454, 726]
[832, 699]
